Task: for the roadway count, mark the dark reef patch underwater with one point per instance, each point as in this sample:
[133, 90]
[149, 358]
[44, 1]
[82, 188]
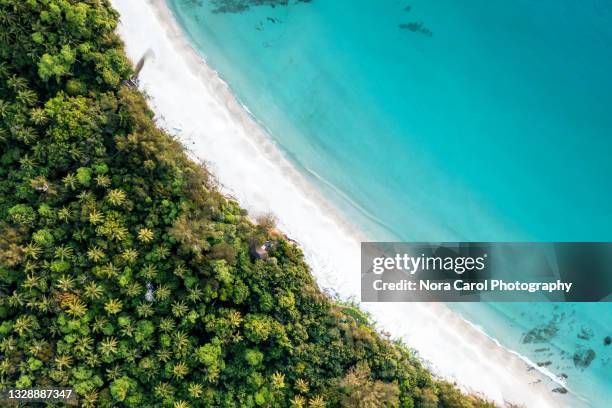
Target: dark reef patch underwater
[416, 27]
[238, 6]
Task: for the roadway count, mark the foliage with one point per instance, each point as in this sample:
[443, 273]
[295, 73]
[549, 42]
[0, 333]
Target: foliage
[127, 276]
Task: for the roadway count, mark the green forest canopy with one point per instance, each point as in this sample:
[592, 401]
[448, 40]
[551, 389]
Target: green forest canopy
[124, 273]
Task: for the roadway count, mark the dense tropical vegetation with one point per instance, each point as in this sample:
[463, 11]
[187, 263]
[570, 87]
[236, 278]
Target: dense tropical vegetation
[127, 276]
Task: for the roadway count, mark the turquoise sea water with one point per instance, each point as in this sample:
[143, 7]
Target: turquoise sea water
[440, 121]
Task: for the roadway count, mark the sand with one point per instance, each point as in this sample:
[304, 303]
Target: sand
[192, 102]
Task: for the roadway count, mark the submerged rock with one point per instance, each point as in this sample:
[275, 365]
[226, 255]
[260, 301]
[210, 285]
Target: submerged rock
[560, 390]
[586, 333]
[583, 358]
[416, 27]
[239, 6]
[541, 334]
[607, 341]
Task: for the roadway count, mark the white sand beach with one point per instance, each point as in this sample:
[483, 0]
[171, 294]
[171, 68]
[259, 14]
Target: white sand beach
[192, 102]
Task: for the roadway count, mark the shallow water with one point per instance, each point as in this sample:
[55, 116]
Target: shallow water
[440, 121]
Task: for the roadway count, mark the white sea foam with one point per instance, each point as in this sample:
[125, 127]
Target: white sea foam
[192, 102]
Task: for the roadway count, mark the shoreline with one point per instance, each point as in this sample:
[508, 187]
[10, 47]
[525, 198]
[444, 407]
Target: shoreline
[192, 102]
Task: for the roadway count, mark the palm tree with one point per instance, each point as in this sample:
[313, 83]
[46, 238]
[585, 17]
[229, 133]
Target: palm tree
[83, 344]
[64, 252]
[180, 270]
[25, 324]
[195, 294]
[127, 330]
[63, 361]
[278, 380]
[37, 347]
[164, 355]
[26, 162]
[96, 254]
[27, 97]
[87, 197]
[144, 309]
[133, 289]
[65, 283]
[317, 402]
[113, 373]
[70, 180]
[109, 270]
[195, 390]
[302, 386]
[298, 402]
[147, 343]
[89, 399]
[16, 299]
[116, 197]
[92, 360]
[113, 306]
[31, 282]
[103, 180]
[80, 234]
[147, 365]
[179, 308]
[108, 346]
[166, 324]
[162, 292]
[180, 370]
[26, 134]
[17, 83]
[162, 251]
[4, 70]
[4, 109]
[181, 341]
[75, 152]
[32, 250]
[75, 307]
[99, 324]
[163, 390]
[44, 304]
[31, 303]
[129, 255]
[31, 266]
[96, 217]
[149, 272]
[8, 344]
[145, 235]
[38, 116]
[64, 214]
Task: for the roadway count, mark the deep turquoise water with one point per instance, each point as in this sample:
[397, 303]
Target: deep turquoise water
[439, 121]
